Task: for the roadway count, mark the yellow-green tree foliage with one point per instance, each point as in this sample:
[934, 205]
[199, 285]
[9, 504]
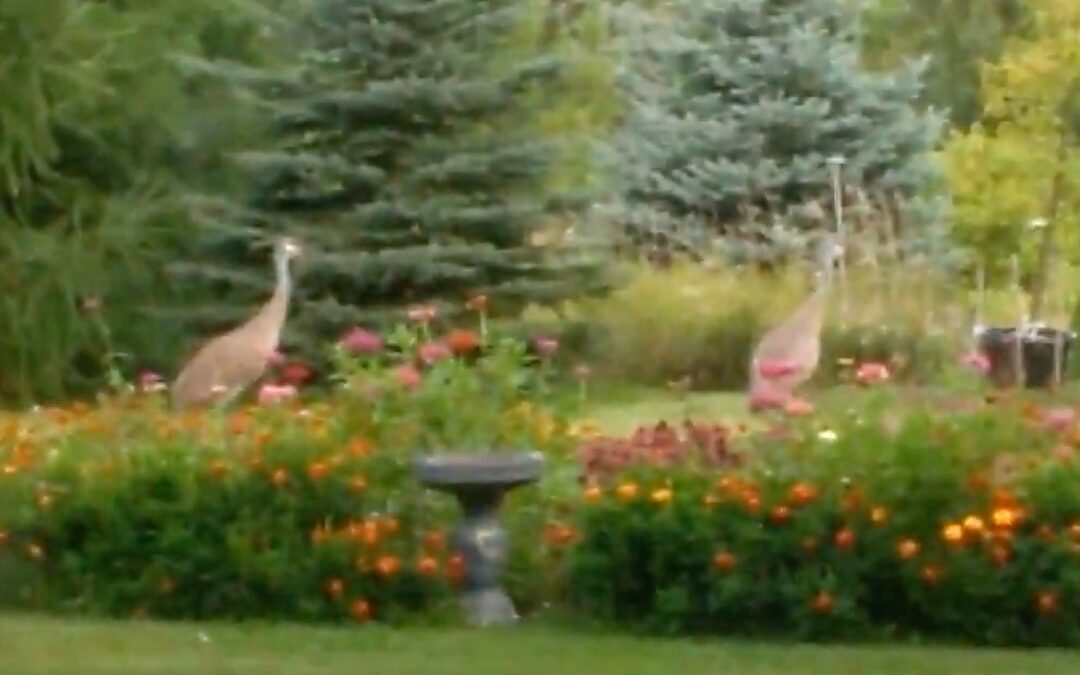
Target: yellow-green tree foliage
[1002, 170]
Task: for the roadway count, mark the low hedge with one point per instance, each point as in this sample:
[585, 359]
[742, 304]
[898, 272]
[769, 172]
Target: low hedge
[955, 525]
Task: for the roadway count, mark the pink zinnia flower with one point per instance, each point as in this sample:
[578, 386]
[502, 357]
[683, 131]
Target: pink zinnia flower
[977, 361]
[430, 352]
[296, 373]
[871, 373]
[1059, 418]
[270, 394]
[361, 341]
[150, 381]
[772, 369]
[408, 376]
[422, 313]
[546, 346]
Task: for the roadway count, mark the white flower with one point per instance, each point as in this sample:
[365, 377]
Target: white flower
[827, 435]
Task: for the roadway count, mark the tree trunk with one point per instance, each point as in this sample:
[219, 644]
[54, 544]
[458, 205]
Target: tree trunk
[1046, 243]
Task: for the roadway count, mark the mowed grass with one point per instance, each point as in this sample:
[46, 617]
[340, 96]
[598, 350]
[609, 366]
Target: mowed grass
[621, 412]
[32, 645]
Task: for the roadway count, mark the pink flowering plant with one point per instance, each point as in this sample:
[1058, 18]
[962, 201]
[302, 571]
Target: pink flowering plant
[457, 389]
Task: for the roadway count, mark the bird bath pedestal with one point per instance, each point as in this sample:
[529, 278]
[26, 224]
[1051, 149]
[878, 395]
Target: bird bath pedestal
[479, 482]
[1037, 347]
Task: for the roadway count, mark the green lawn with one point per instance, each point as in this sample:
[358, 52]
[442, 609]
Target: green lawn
[621, 412]
[30, 645]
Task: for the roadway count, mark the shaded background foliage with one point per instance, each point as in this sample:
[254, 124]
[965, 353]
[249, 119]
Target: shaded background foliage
[122, 124]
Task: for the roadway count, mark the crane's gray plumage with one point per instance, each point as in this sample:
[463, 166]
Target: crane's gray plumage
[229, 363]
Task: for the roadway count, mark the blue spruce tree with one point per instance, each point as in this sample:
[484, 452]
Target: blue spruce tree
[400, 155]
[735, 107]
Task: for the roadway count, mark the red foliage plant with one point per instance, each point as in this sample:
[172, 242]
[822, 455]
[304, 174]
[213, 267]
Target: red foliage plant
[662, 445]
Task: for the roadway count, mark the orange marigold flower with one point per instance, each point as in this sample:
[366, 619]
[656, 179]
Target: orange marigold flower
[455, 568]
[780, 515]
[358, 484]
[370, 529]
[559, 534]
[845, 539]
[434, 541]
[1046, 602]
[335, 588]
[661, 496]
[359, 447]
[932, 574]
[822, 603]
[802, 494]
[627, 491]
[280, 477]
[318, 470]
[427, 566]
[3, 538]
[1074, 530]
[1004, 517]
[462, 341]
[360, 610]
[974, 524]
[35, 551]
[387, 566]
[724, 561]
[953, 532]
[389, 525]
[592, 494]
[319, 534]
[907, 549]
[218, 468]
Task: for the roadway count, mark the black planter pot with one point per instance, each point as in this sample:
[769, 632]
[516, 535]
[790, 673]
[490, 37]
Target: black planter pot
[1000, 344]
[480, 482]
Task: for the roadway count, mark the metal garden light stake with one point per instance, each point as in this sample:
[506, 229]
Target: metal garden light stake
[836, 162]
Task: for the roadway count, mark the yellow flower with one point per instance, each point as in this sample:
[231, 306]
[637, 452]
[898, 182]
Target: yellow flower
[952, 532]
[627, 491]
[878, 515]
[1003, 517]
[592, 494]
[662, 496]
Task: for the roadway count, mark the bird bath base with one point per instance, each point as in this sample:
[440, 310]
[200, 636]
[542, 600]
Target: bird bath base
[1036, 354]
[479, 482]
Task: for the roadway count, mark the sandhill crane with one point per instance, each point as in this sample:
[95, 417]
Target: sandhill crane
[229, 363]
[788, 354]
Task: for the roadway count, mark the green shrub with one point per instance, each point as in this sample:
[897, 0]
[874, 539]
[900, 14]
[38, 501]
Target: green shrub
[960, 525]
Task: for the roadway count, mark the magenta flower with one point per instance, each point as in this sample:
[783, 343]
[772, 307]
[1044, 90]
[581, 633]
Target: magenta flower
[773, 369]
[1059, 418]
[546, 346]
[359, 341]
[270, 394]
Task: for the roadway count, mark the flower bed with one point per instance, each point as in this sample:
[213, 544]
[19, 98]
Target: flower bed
[960, 525]
[289, 509]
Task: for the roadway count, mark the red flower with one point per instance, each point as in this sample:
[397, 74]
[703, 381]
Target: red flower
[408, 376]
[772, 369]
[430, 352]
[462, 341]
[360, 341]
[872, 373]
[296, 373]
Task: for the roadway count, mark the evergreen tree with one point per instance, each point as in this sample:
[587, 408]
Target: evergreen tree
[401, 155]
[735, 107]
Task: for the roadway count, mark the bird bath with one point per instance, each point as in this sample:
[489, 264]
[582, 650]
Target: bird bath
[1037, 354]
[479, 482]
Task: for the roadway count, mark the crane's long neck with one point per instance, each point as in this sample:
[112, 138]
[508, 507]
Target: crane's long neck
[272, 316]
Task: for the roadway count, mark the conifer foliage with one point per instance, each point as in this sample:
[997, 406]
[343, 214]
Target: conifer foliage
[735, 107]
[398, 155]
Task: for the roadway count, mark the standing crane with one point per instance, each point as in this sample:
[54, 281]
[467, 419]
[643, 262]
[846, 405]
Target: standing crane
[231, 362]
[788, 354]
